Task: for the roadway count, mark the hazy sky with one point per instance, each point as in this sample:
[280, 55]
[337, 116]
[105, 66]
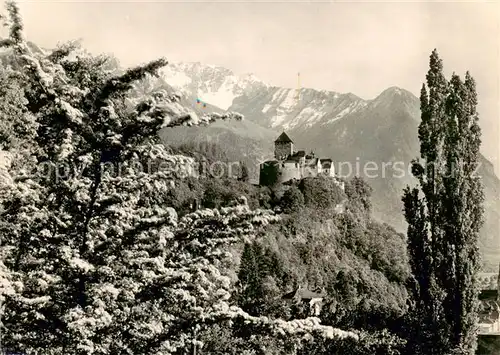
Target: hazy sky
[358, 47]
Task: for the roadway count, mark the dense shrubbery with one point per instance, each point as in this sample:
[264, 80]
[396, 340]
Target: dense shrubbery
[320, 192]
[292, 200]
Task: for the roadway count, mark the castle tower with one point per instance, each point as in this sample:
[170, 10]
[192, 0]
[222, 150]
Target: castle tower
[283, 147]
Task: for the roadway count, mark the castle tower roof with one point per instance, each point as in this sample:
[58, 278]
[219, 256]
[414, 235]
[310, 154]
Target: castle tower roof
[283, 138]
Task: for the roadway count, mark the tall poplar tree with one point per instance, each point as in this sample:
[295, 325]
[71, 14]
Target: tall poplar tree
[444, 215]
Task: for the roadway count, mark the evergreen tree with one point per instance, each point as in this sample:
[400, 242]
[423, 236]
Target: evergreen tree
[250, 279]
[259, 267]
[444, 217]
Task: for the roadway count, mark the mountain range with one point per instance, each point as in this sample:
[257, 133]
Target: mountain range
[377, 137]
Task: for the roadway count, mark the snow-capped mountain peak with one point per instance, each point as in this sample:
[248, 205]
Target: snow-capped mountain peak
[212, 84]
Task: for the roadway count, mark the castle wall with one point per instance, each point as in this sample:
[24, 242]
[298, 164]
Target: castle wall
[283, 150]
[280, 172]
[309, 171]
[269, 173]
[289, 171]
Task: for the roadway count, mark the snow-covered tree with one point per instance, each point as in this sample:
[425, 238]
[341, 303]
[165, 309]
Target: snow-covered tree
[93, 257]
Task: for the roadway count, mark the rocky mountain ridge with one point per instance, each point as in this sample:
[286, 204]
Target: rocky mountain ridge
[214, 85]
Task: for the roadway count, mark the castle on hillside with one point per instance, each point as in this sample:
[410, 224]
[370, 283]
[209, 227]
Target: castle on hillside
[289, 164]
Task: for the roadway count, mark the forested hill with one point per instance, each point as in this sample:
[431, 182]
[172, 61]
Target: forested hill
[359, 263]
